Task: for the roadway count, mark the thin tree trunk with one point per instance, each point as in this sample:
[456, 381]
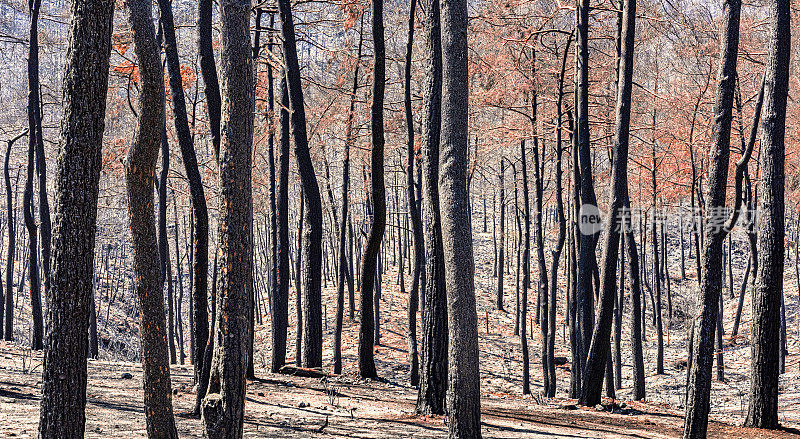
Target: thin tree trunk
[35, 130]
[367, 336]
[411, 203]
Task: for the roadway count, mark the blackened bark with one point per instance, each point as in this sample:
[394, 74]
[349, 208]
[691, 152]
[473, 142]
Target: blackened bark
[35, 116]
[280, 297]
[208, 69]
[587, 259]
[550, 341]
[76, 188]
[35, 130]
[8, 301]
[434, 362]
[367, 335]
[501, 250]
[411, 202]
[526, 274]
[140, 176]
[189, 156]
[312, 242]
[636, 313]
[597, 360]
[763, 408]
[223, 407]
[699, 382]
[165, 274]
[463, 392]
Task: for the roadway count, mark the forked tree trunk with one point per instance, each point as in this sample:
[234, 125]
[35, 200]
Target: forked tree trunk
[597, 360]
[312, 242]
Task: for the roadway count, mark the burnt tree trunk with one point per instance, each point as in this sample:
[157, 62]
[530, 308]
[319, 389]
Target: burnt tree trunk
[434, 362]
[35, 137]
[597, 360]
[367, 335]
[76, 190]
[140, 176]
[312, 242]
[763, 395]
[463, 392]
[189, 156]
[223, 407]
[704, 327]
[411, 202]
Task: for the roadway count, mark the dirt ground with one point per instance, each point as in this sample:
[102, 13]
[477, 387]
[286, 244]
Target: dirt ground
[285, 406]
[293, 407]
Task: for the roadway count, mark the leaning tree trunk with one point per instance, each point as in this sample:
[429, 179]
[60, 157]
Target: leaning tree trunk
[140, 176]
[35, 137]
[367, 331]
[223, 407]
[312, 242]
[463, 392]
[596, 362]
[763, 408]
[433, 368]
[76, 190]
[196, 191]
[208, 69]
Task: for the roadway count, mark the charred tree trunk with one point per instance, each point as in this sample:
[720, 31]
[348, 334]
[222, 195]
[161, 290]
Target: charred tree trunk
[35, 137]
[11, 217]
[587, 260]
[411, 202]
[763, 408]
[76, 188]
[189, 156]
[597, 360]
[280, 297]
[699, 382]
[208, 69]
[223, 407]
[434, 362]
[463, 392]
[312, 242]
[367, 336]
[140, 175]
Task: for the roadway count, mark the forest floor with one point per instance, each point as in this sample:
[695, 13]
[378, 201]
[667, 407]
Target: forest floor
[289, 406]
